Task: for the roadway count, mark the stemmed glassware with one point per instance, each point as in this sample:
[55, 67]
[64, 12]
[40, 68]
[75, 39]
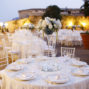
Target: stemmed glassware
[51, 47]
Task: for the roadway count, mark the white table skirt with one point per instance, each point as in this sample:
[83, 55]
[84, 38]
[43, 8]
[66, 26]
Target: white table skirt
[9, 81]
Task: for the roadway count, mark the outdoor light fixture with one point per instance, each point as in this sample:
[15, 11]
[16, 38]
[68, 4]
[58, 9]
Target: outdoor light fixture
[6, 24]
[84, 24]
[70, 24]
[26, 24]
[1, 24]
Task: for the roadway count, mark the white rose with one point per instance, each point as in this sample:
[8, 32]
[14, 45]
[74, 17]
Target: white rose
[55, 26]
[50, 26]
[52, 19]
[58, 22]
[47, 19]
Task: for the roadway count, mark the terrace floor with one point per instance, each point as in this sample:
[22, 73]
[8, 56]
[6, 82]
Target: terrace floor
[80, 52]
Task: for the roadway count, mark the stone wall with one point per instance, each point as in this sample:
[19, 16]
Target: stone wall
[75, 20]
[15, 24]
[30, 12]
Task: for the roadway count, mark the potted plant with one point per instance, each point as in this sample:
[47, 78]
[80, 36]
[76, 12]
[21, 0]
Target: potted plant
[85, 39]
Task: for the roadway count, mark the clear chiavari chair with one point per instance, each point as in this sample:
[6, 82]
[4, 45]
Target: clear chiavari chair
[67, 51]
[12, 52]
[3, 62]
[3, 59]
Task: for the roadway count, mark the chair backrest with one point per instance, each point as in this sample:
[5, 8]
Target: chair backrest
[67, 51]
[3, 59]
[6, 44]
[3, 42]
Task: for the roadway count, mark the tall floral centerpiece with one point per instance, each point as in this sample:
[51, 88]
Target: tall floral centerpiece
[50, 22]
[53, 16]
[49, 25]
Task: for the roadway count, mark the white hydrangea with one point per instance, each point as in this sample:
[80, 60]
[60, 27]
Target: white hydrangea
[53, 20]
[55, 25]
[47, 19]
[50, 22]
[58, 22]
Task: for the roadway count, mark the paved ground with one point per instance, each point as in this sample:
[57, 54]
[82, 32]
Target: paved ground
[79, 52]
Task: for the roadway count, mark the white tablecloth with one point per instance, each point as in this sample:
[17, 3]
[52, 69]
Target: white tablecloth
[10, 82]
[66, 37]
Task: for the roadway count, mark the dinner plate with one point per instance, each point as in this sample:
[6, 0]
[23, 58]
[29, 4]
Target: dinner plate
[78, 63]
[25, 77]
[80, 73]
[14, 68]
[42, 58]
[23, 61]
[57, 79]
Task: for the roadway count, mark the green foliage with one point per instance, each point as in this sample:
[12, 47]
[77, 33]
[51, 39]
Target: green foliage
[86, 8]
[52, 12]
[48, 31]
[87, 32]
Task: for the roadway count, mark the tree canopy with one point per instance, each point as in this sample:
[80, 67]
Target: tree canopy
[52, 11]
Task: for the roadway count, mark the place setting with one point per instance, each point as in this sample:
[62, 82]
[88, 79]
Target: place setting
[80, 72]
[78, 63]
[26, 76]
[41, 58]
[57, 79]
[24, 61]
[14, 68]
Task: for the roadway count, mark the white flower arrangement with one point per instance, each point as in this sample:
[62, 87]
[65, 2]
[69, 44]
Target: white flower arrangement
[49, 23]
[29, 26]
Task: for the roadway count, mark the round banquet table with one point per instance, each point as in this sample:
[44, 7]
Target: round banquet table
[9, 80]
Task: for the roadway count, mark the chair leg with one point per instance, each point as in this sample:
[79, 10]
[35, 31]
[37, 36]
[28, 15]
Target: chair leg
[12, 57]
[0, 83]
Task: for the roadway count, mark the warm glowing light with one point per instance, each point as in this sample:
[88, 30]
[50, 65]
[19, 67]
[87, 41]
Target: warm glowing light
[84, 24]
[1, 24]
[70, 24]
[26, 23]
[6, 24]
